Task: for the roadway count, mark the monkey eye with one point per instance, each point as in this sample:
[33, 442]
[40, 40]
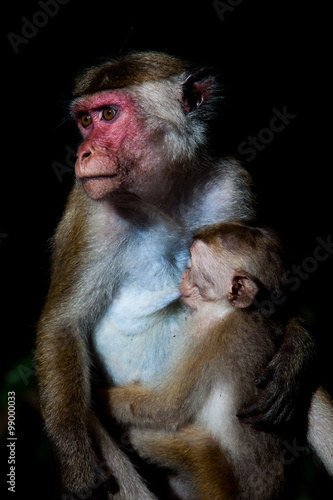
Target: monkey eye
[85, 119]
[108, 113]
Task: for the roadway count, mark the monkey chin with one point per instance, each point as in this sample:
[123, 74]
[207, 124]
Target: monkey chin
[98, 188]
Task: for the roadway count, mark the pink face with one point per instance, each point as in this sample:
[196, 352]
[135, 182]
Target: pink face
[113, 142]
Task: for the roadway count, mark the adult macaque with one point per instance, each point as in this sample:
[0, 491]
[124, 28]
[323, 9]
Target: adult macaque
[146, 182]
[187, 421]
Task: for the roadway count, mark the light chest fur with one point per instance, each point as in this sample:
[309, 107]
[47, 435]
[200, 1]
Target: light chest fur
[139, 331]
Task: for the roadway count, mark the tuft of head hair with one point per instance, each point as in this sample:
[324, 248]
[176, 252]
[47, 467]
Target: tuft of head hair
[131, 69]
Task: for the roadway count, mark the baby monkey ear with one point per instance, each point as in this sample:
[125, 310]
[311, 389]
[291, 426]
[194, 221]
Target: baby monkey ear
[242, 289]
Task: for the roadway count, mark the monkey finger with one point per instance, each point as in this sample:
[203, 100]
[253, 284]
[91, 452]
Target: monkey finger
[263, 379]
[279, 413]
[263, 405]
[257, 422]
[271, 421]
[271, 403]
[248, 412]
[266, 413]
[260, 421]
[283, 417]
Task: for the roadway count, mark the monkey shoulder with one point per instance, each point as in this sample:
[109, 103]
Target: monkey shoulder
[231, 191]
[213, 195]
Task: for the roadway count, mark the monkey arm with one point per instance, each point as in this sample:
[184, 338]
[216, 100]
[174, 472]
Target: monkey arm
[75, 431]
[62, 361]
[146, 407]
[174, 401]
[89, 459]
[283, 379]
[64, 395]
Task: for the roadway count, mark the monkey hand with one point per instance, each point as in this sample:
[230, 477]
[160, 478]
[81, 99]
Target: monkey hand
[92, 480]
[275, 406]
[283, 379]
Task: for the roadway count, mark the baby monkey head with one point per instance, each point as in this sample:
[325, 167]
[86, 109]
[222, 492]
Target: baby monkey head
[232, 262]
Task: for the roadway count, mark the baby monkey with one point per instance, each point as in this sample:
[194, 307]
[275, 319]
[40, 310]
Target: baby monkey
[188, 421]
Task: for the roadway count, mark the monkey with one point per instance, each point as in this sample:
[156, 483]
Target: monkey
[189, 420]
[146, 180]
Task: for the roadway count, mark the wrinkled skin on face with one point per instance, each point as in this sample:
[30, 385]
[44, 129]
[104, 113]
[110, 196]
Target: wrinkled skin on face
[117, 150]
[204, 280]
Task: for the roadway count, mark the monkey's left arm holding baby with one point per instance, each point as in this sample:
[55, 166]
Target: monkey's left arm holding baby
[284, 378]
[141, 405]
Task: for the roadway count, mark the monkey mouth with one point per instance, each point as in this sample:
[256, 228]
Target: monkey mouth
[184, 292]
[98, 177]
[99, 187]
[185, 298]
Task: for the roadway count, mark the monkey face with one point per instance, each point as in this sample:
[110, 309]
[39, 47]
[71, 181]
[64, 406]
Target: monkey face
[116, 149]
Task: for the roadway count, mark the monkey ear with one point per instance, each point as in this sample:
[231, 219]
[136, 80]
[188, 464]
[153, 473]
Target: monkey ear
[242, 290]
[199, 88]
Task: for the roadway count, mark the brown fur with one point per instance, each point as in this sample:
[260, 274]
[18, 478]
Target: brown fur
[95, 246]
[193, 452]
[235, 349]
[226, 352]
[133, 69]
[254, 245]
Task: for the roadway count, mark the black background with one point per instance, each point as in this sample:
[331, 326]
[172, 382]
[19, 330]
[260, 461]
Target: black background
[270, 55]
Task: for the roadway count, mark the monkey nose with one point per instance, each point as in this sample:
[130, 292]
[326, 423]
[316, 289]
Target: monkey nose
[84, 151]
